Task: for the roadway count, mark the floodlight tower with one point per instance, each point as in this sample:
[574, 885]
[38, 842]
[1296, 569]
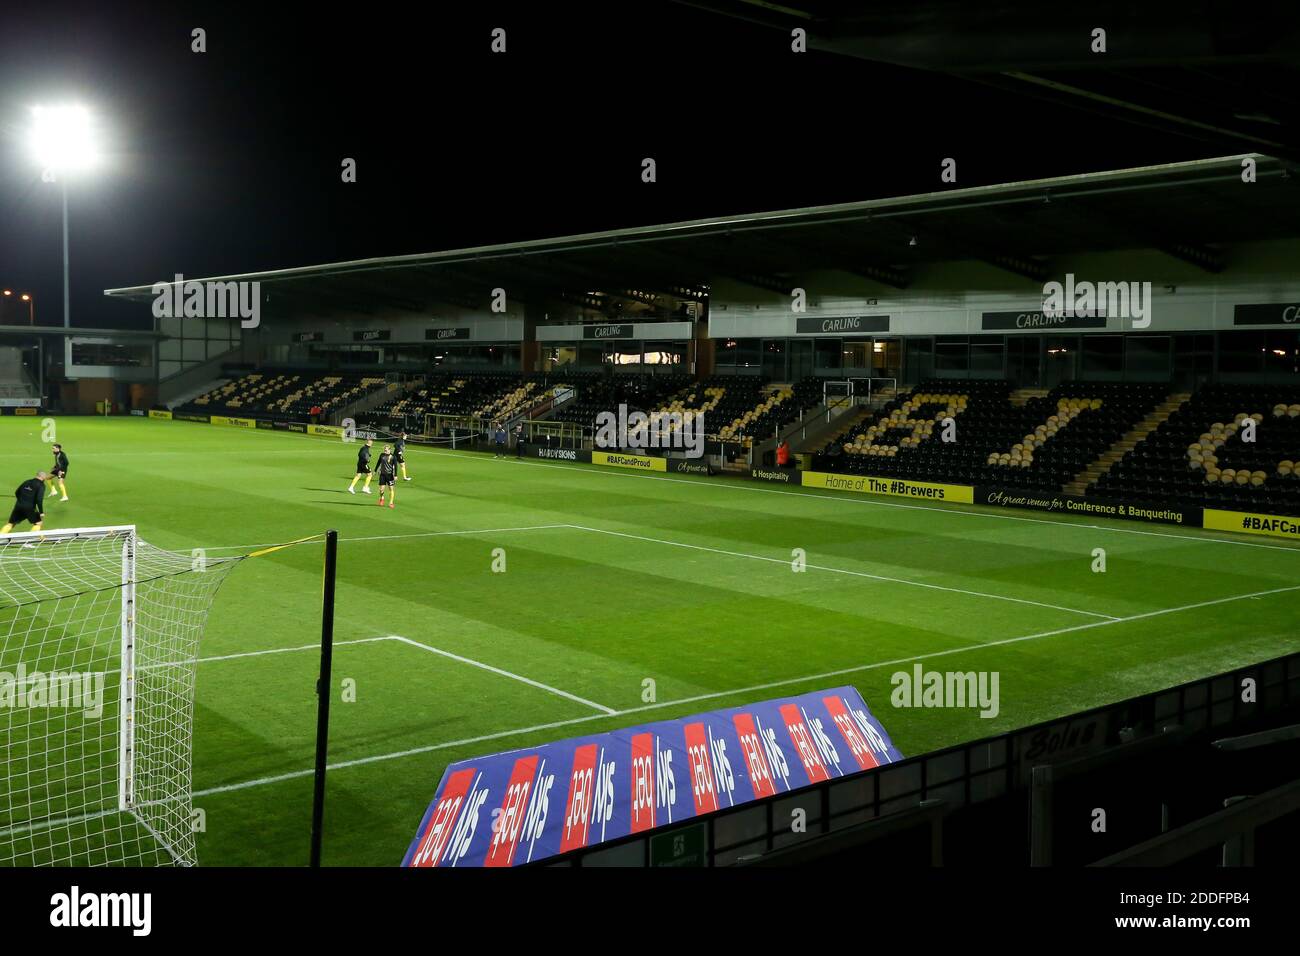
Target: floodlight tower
[62, 142]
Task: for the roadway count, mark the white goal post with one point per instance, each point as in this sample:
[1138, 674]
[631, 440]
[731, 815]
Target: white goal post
[99, 638]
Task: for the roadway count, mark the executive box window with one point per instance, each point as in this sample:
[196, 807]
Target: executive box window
[665, 353]
[773, 353]
[479, 356]
[886, 356]
[856, 354]
[622, 353]
[1282, 352]
[1103, 356]
[828, 355]
[987, 358]
[107, 353]
[1193, 359]
[558, 356]
[1025, 359]
[951, 355]
[1147, 358]
[1242, 352]
[919, 362]
[738, 353]
[591, 354]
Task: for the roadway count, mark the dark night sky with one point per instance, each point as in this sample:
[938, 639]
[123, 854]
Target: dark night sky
[228, 161]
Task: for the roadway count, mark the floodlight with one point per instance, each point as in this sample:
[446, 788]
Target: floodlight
[63, 138]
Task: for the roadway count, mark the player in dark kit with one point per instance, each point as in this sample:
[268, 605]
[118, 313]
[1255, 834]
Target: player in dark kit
[59, 473]
[399, 452]
[363, 468]
[387, 468]
[29, 500]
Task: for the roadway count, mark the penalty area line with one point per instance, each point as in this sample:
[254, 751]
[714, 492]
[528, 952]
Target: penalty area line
[499, 735]
[609, 711]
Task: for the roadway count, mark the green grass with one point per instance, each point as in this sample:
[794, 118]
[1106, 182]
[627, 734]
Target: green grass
[623, 578]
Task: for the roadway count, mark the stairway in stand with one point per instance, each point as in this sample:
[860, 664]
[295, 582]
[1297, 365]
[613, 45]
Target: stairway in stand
[851, 420]
[1022, 395]
[1126, 443]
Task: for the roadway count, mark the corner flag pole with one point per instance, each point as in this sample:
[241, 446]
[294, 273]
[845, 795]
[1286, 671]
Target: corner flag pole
[323, 692]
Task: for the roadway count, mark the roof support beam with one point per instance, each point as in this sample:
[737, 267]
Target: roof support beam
[378, 293]
[957, 245]
[835, 260]
[1184, 250]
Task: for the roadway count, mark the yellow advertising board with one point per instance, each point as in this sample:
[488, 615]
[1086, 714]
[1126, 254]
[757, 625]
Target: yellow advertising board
[1276, 526]
[233, 422]
[636, 462]
[160, 413]
[898, 487]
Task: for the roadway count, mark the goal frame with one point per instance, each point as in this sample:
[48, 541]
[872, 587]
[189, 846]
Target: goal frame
[126, 692]
[126, 640]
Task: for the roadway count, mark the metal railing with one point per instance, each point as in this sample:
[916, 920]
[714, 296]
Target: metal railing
[974, 772]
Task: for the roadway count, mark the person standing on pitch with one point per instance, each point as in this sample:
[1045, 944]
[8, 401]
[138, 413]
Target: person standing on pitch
[363, 468]
[499, 434]
[29, 499]
[387, 469]
[399, 453]
[60, 471]
[519, 439]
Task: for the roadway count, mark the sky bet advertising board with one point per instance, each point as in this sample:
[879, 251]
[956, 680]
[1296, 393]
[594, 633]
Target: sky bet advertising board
[526, 805]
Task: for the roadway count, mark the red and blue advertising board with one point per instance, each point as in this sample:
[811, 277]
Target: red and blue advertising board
[526, 805]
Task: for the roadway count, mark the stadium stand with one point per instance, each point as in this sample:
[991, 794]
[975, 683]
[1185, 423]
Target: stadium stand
[1201, 455]
[284, 395]
[744, 408]
[777, 408]
[1036, 441]
[1108, 440]
[447, 393]
[597, 392]
[511, 403]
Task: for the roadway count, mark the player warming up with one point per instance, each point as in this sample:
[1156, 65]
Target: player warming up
[59, 473]
[363, 468]
[387, 469]
[399, 451]
[29, 499]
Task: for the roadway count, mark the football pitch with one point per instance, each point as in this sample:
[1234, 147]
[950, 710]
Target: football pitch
[505, 602]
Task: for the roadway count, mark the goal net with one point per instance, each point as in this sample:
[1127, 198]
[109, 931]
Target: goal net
[99, 635]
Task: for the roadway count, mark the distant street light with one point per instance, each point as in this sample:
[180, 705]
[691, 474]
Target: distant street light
[25, 297]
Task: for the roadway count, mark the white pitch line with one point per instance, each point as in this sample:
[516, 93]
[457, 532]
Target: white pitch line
[858, 574]
[504, 673]
[430, 748]
[404, 640]
[281, 650]
[696, 547]
[867, 501]
[393, 537]
[262, 653]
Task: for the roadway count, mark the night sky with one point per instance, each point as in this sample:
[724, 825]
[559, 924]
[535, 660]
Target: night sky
[229, 161]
